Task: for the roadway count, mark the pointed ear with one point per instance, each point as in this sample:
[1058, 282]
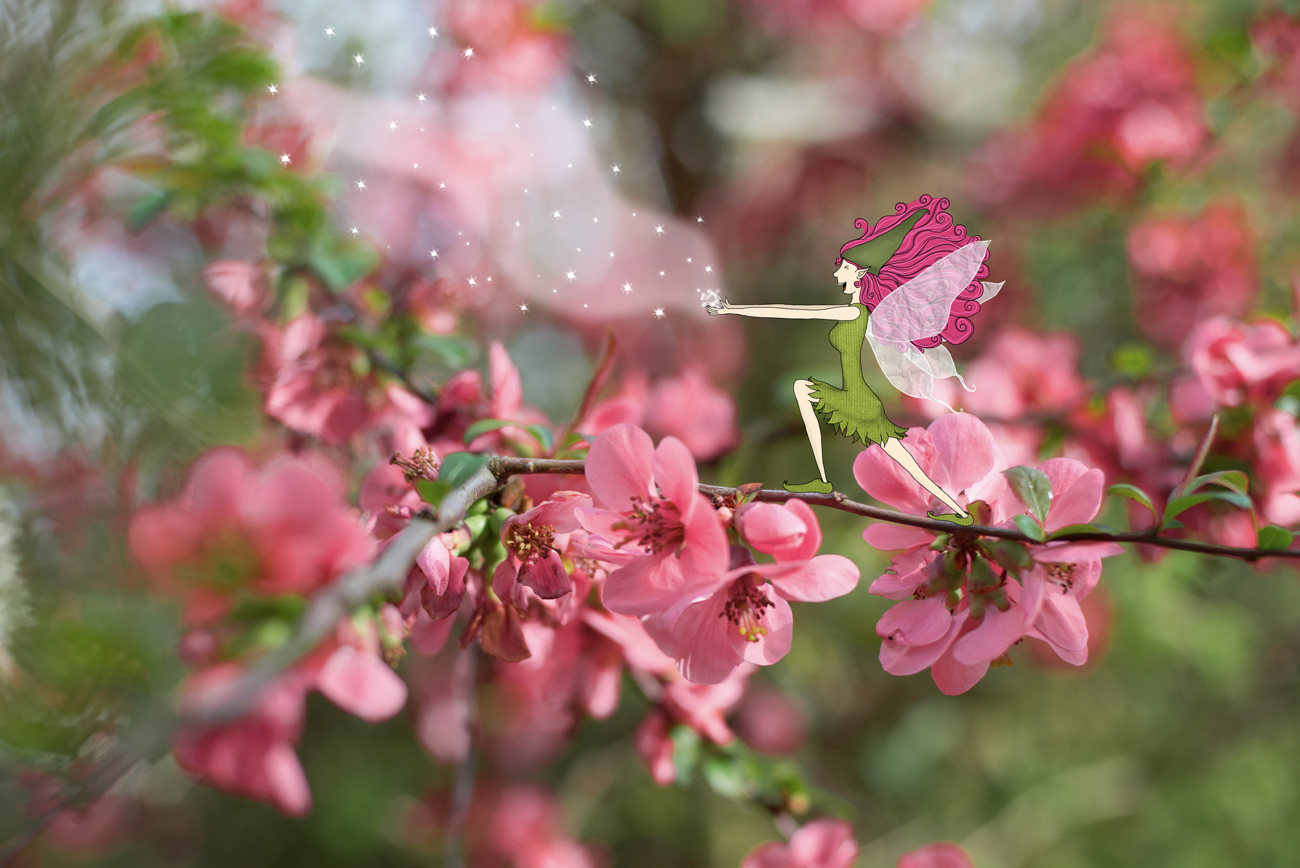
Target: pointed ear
[861, 273]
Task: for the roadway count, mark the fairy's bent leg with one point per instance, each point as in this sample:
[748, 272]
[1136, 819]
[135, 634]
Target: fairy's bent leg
[895, 449]
[803, 394]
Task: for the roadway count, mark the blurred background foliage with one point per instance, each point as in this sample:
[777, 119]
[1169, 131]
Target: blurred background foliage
[1176, 746]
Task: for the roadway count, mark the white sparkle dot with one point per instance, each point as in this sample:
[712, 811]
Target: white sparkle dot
[708, 269]
[659, 312]
[699, 219]
[523, 307]
[616, 170]
[361, 185]
[688, 259]
[611, 254]
[661, 274]
[555, 290]
[358, 59]
[659, 230]
[627, 287]
[586, 122]
[442, 186]
[489, 280]
[516, 223]
[584, 305]
[571, 165]
[433, 254]
[570, 275]
[469, 52]
[329, 31]
[591, 78]
[272, 89]
[419, 97]
[415, 165]
[356, 231]
[472, 281]
[284, 159]
[555, 214]
[595, 219]
[433, 32]
[392, 125]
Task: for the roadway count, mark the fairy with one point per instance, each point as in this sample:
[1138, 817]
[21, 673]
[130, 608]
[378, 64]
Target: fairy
[912, 284]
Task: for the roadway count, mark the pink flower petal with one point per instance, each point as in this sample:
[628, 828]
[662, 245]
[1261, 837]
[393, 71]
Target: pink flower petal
[941, 855]
[1077, 501]
[645, 585]
[888, 537]
[899, 659]
[429, 636]
[965, 451]
[547, 577]
[906, 573]
[435, 562]
[825, 577]
[953, 678]
[362, 685]
[702, 637]
[1061, 622]
[884, 479]
[288, 783]
[915, 622]
[826, 843]
[676, 476]
[775, 644]
[996, 633]
[619, 467]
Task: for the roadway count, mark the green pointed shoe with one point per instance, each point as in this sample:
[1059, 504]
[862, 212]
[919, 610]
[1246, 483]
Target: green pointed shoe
[952, 517]
[816, 486]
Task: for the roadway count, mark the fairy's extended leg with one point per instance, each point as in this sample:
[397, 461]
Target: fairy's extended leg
[895, 449]
[803, 395]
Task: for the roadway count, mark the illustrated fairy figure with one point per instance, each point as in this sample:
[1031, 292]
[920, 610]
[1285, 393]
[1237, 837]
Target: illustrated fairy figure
[912, 284]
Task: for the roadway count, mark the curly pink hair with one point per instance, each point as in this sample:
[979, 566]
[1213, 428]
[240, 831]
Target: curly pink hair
[933, 237]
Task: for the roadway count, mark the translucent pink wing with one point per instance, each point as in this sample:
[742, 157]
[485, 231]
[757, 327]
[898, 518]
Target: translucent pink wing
[920, 308]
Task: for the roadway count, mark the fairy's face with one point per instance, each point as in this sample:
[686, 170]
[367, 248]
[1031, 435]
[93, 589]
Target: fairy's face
[846, 274]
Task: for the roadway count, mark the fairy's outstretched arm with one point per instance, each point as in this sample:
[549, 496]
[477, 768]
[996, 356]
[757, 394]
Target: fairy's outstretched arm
[786, 311]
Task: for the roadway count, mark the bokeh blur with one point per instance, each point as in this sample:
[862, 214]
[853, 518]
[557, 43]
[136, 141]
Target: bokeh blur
[326, 232]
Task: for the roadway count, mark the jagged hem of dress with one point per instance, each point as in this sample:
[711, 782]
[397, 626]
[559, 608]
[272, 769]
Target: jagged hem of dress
[865, 431]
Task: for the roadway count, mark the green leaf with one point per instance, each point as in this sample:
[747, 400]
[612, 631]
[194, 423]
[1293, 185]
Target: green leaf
[1083, 528]
[1202, 450]
[728, 776]
[1275, 538]
[1008, 554]
[982, 576]
[458, 467]
[1179, 505]
[454, 351]
[1234, 480]
[342, 263]
[1029, 527]
[540, 432]
[1032, 487]
[686, 752]
[1132, 492]
[476, 523]
[430, 492]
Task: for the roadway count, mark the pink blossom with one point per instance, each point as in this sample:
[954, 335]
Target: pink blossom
[1023, 372]
[652, 521]
[310, 385]
[238, 284]
[1277, 465]
[698, 413]
[826, 843]
[941, 855]
[282, 529]
[526, 831]
[746, 615]
[253, 756]
[1191, 269]
[533, 541]
[361, 684]
[788, 531]
[771, 722]
[1239, 363]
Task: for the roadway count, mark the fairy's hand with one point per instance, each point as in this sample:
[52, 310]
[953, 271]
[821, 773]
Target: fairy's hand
[719, 307]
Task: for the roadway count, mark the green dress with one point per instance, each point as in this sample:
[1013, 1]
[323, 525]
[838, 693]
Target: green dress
[854, 411]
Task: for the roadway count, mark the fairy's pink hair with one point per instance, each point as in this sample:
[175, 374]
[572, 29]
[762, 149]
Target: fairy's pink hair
[933, 237]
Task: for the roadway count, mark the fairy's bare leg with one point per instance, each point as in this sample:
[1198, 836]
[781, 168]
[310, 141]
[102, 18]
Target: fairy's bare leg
[895, 449]
[803, 394]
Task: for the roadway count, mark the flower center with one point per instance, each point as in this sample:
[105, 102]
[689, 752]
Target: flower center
[653, 524]
[423, 464]
[746, 602]
[530, 542]
[1062, 574]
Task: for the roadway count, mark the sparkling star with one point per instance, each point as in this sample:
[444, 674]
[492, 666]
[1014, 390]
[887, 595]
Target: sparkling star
[659, 312]
[699, 219]
[570, 275]
[661, 274]
[523, 307]
[433, 33]
[591, 78]
[329, 31]
[469, 52]
[688, 259]
[586, 122]
[272, 89]
[433, 254]
[627, 287]
[708, 269]
[392, 125]
[420, 98]
[415, 165]
[555, 214]
[284, 159]
[442, 186]
[361, 185]
[356, 231]
[659, 230]
[358, 59]
[615, 169]
[472, 281]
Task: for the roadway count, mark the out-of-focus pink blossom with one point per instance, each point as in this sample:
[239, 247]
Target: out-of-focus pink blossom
[941, 855]
[527, 831]
[694, 411]
[825, 843]
[1191, 269]
[1024, 372]
[253, 756]
[237, 283]
[770, 722]
[1277, 466]
[361, 684]
[1239, 363]
[283, 529]
[652, 521]
[310, 385]
[883, 17]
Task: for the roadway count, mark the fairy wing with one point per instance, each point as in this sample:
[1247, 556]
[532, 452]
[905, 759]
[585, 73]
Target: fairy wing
[919, 309]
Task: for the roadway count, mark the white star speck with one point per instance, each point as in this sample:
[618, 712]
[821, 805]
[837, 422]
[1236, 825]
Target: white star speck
[523, 307]
[356, 231]
[570, 275]
[358, 59]
[586, 122]
[591, 78]
[615, 169]
[272, 89]
[688, 259]
[699, 219]
[442, 186]
[392, 125]
[361, 185]
[661, 274]
[329, 32]
[708, 269]
[555, 214]
[659, 230]
[469, 52]
[433, 254]
[420, 97]
[659, 312]
[472, 281]
[284, 159]
[627, 288]
[433, 33]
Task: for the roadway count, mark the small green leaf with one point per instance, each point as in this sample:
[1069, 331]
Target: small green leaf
[1132, 492]
[727, 776]
[1008, 554]
[1202, 450]
[1032, 487]
[1234, 480]
[686, 752]
[458, 467]
[1082, 528]
[1179, 505]
[1029, 527]
[430, 492]
[542, 434]
[1275, 538]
